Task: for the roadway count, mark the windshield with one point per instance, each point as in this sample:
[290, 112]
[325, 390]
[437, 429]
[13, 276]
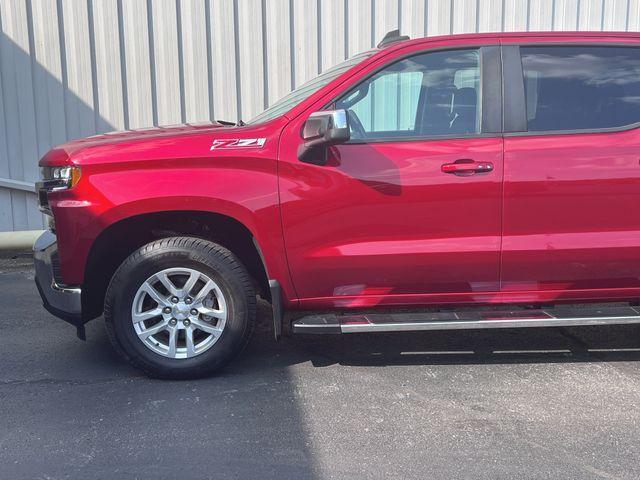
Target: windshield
[289, 101]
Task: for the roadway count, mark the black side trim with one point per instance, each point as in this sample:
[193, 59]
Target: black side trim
[276, 306]
[514, 105]
[491, 90]
[586, 131]
[431, 138]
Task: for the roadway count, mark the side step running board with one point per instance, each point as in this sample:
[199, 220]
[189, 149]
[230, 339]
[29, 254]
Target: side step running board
[469, 319]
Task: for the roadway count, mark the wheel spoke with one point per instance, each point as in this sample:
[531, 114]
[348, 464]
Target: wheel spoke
[190, 283]
[210, 312]
[168, 284]
[204, 291]
[205, 327]
[148, 315]
[144, 334]
[173, 342]
[191, 348]
[154, 294]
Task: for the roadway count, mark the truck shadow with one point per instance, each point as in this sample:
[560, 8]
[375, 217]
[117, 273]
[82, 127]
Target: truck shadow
[496, 347]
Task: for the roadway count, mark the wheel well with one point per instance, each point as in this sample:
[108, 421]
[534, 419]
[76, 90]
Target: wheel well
[121, 239]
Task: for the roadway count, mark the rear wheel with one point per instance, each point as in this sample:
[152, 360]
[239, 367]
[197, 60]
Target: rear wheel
[180, 308]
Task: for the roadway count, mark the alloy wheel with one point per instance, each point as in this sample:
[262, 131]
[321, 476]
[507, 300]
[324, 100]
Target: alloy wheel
[179, 313]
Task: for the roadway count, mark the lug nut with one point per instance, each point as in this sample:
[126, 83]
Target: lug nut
[173, 322]
[175, 299]
[188, 300]
[194, 311]
[166, 310]
[186, 323]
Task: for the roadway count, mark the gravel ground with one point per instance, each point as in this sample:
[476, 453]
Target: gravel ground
[538, 403]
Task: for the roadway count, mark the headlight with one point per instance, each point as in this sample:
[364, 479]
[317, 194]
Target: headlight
[59, 178]
[55, 179]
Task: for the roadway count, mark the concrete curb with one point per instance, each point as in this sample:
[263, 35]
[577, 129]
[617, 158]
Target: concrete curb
[12, 243]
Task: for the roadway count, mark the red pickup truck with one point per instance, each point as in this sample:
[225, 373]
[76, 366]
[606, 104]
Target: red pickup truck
[469, 181]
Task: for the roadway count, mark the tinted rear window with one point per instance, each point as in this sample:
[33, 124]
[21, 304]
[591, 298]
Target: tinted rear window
[580, 88]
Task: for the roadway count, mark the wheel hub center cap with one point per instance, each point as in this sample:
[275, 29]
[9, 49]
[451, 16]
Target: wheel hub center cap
[181, 311]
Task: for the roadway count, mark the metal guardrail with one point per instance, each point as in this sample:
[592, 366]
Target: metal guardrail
[17, 185]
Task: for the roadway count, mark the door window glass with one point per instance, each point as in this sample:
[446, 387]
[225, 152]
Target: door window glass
[576, 88]
[430, 94]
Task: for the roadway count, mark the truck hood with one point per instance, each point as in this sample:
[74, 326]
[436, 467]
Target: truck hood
[178, 141]
[141, 134]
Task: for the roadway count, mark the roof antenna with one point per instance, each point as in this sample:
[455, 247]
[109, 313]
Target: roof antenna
[392, 37]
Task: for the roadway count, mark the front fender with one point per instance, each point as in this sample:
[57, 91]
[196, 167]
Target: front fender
[244, 190]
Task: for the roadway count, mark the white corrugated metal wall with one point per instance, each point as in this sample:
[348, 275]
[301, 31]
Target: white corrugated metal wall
[72, 68]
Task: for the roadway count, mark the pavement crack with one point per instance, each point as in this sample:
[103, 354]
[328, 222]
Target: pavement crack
[54, 381]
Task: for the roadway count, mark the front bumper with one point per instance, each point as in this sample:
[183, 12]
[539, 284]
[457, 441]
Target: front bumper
[62, 301]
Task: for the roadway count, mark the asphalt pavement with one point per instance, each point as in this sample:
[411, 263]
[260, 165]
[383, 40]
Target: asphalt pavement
[510, 404]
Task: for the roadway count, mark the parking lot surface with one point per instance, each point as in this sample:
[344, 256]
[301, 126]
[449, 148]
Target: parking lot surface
[532, 403]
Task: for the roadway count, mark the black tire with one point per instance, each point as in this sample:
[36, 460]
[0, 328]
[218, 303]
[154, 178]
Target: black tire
[209, 258]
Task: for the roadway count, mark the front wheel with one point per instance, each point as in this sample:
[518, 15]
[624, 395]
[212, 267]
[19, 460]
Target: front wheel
[180, 307]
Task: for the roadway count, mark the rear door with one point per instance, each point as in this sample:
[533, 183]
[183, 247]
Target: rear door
[572, 171]
[409, 211]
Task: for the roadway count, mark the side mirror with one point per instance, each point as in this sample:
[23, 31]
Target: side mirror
[321, 130]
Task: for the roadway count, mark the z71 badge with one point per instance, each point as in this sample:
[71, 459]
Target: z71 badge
[238, 143]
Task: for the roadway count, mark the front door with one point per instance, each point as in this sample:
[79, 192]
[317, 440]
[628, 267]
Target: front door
[409, 211]
[572, 177]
